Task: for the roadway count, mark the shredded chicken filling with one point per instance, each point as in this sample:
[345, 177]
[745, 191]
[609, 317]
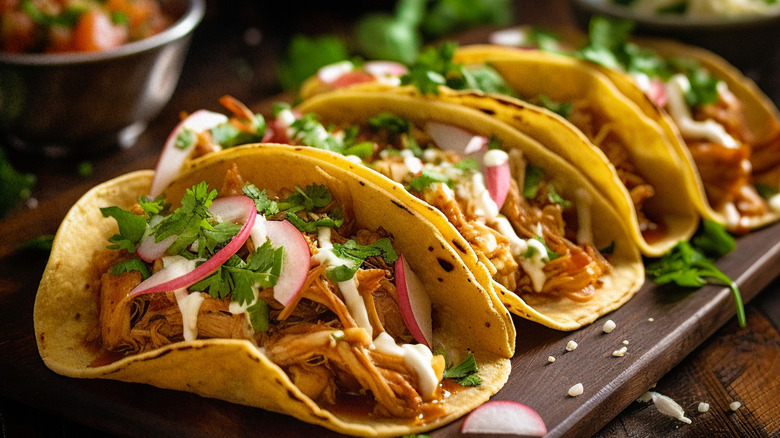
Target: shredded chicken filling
[314, 339]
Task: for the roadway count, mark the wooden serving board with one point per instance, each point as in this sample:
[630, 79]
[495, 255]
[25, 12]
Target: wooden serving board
[681, 320]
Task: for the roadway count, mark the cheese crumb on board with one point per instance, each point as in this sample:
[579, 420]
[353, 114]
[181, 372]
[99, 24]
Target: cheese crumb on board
[551, 359]
[609, 326]
[621, 352]
[625, 341]
[667, 406]
[576, 390]
[571, 346]
[735, 405]
[703, 407]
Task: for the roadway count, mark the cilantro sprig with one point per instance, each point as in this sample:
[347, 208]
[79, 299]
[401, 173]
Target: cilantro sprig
[354, 254]
[691, 264]
[309, 199]
[609, 45]
[464, 373]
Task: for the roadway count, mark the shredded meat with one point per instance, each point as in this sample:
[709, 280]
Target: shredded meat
[602, 134]
[314, 338]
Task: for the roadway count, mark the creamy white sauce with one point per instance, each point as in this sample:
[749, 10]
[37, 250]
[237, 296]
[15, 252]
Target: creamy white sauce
[534, 265]
[416, 356]
[495, 157]
[258, 234]
[189, 305]
[678, 108]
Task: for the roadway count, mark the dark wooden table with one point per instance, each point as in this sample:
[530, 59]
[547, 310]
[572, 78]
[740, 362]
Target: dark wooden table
[718, 364]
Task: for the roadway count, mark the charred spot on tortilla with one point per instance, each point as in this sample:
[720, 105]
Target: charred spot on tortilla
[441, 280]
[361, 183]
[447, 266]
[459, 246]
[402, 207]
[430, 249]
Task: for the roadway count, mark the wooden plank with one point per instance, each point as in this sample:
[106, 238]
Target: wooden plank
[682, 319]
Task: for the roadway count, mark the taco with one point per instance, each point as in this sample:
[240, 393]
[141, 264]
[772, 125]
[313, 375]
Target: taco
[645, 183]
[557, 251]
[375, 317]
[716, 118]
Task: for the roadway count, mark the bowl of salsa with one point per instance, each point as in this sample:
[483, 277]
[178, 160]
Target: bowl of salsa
[78, 77]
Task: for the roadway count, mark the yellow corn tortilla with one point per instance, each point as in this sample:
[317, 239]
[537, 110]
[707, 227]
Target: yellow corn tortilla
[761, 115]
[355, 105]
[66, 313]
[529, 73]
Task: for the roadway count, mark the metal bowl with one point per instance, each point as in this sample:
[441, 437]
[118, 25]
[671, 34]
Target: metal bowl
[747, 41]
[76, 104]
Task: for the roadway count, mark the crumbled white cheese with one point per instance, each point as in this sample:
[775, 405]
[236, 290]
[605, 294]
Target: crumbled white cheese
[625, 341]
[621, 352]
[576, 390]
[646, 397]
[551, 359]
[735, 405]
[609, 326]
[667, 406]
[703, 407]
[650, 319]
[571, 346]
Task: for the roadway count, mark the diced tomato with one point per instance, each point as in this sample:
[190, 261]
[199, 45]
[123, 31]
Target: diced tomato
[94, 31]
[17, 31]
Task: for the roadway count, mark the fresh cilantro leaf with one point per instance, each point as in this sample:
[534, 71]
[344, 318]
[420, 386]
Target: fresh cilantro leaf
[187, 221]
[237, 278]
[259, 316]
[563, 109]
[533, 177]
[263, 204]
[479, 77]
[394, 37]
[152, 206]
[532, 250]
[390, 122]
[687, 266]
[131, 228]
[355, 254]
[134, 264]
[334, 219]
[228, 135]
[313, 196]
[305, 55]
[449, 16]
[465, 373]
[211, 240]
[765, 190]
[714, 240]
[426, 178]
[494, 143]
[555, 198]
[308, 131]
[15, 186]
[361, 150]
[42, 243]
[468, 163]
[186, 138]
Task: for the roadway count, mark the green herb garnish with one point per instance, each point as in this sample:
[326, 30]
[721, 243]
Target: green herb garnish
[354, 254]
[688, 264]
[465, 373]
[131, 265]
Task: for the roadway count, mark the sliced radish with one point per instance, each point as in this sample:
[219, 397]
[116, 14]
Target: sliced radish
[504, 417]
[451, 138]
[414, 302]
[172, 157]
[149, 250]
[230, 208]
[657, 92]
[497, 175]
[297, 256]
